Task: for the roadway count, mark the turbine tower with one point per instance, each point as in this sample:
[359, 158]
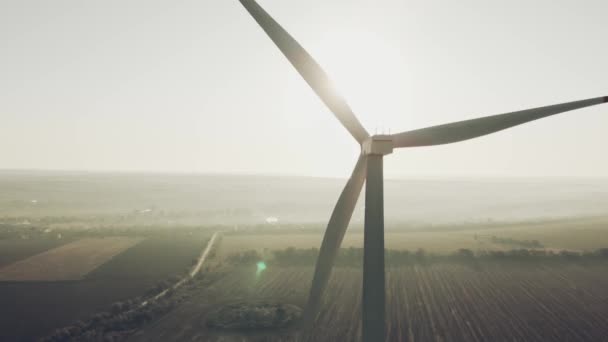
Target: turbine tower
[369, 170]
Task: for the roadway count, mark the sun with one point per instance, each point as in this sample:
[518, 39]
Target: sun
[368, 70]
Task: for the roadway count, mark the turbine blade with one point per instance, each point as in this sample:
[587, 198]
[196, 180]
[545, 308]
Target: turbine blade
[469, 129]
[336, 227]
[309, 69]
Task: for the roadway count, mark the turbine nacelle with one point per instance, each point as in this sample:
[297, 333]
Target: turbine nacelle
[377, 144]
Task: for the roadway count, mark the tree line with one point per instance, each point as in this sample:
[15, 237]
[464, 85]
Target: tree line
[354, 256]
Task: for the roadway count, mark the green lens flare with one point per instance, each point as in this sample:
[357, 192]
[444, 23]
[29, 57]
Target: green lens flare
[261, 267]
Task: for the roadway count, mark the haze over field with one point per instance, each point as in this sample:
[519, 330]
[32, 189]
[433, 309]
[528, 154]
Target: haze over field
[228, 199]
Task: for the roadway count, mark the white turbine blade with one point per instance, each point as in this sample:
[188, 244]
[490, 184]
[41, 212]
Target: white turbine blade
[309, 69]
[336, 228]
[469, 129]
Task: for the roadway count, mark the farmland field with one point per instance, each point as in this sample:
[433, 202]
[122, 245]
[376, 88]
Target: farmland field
[166, 220]
[574, 234]
[447, 300]
[17, 249]
[439, 302]
[33, 309]
[68, 262]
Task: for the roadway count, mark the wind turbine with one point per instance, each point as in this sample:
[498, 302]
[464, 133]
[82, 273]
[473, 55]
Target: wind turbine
[369, 170]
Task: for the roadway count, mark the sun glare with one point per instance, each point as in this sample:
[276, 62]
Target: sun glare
[368, 71]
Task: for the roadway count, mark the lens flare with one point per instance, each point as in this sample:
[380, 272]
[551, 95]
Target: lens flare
[261, 267]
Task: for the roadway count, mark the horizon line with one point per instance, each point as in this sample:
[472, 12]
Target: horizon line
[485, 177]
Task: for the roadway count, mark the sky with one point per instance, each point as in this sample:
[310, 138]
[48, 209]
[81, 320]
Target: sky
[197, 86]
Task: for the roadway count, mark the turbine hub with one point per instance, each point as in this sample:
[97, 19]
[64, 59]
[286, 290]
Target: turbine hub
[378, 145]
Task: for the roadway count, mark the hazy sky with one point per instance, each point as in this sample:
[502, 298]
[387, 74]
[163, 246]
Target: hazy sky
[196, 86]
